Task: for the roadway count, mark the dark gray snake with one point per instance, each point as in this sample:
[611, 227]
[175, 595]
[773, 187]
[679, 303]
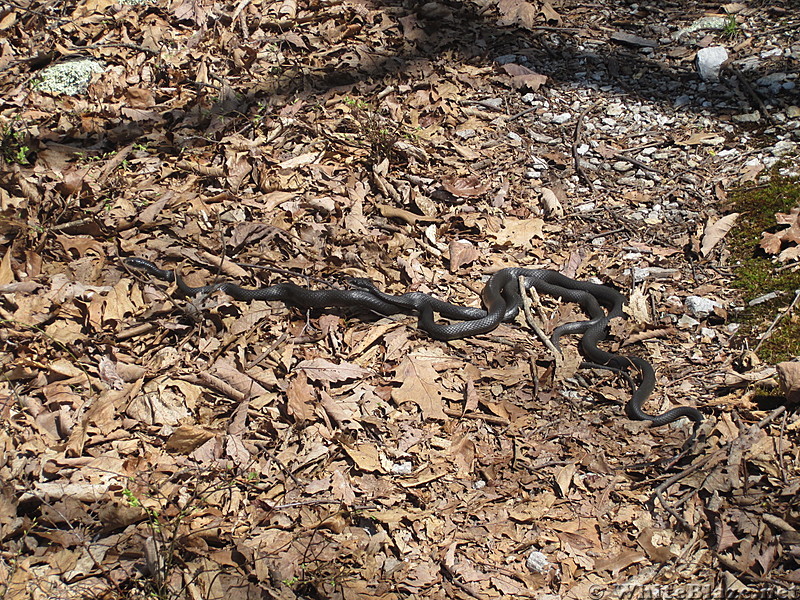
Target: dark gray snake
[502, 300]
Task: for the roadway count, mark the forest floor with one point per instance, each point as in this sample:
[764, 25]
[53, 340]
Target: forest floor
[155, 446]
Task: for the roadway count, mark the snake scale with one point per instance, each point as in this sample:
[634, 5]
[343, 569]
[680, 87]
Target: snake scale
[502, 299]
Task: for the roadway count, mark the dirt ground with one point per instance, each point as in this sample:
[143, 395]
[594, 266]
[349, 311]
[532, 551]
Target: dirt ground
[158, 446]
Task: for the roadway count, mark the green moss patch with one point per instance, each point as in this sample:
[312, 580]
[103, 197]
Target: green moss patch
[757, 274]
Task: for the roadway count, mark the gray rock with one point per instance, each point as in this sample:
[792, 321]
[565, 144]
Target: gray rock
[771, 79]
[763, 298]
[622, 166]
[543, 138]
[506, 59]
[687, 322]
[771, 52]
[704, 23]
[752, 117]
[700, 307]
[71, 78]
[709, 62]
[537, 562]
[642, 273]
[784, 148]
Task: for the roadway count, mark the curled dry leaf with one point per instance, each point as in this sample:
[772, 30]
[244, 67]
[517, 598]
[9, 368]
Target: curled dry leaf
[789, 377]
[569, 363]
[716, 231]
[188, 437]
[243, 383]
[702, 138]
[162, 401]
[564, 478]
[550, 203]
[650, 334]
[392, 212]
[517, 12]
[320, 369]
[300, 398]
[789, 254]
[551, 14]
[638, 306]
[462, 252]
[789, 218]
[523, 77]
[763, 377]
[772, 243]
[435, 11]
[734, 7]
[412, 151]
[140, 97]
[366, 457]
[465, 187]
[288, 9]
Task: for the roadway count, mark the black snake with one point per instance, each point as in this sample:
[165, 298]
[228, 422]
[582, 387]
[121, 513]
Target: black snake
[501, 297]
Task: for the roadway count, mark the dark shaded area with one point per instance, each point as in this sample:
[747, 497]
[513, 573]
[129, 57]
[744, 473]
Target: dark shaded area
[578, 52]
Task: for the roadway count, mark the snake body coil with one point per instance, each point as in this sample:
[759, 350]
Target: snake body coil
[502, 300]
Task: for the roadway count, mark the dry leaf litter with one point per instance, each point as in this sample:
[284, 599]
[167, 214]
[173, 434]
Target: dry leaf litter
[163, 447]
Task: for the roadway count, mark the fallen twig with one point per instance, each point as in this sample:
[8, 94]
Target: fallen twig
[768, 332]
[528, 300]
[762, 108]
[657, 494]
[637, 162]
[453, 578]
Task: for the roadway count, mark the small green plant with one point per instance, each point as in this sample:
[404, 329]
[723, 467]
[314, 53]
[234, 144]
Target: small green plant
[90, 158]
[152, 514]
[169, 506]
[131, 498]
[13, 146]
[379, 132]
[731, 29]
[259, 118]
[356, 103]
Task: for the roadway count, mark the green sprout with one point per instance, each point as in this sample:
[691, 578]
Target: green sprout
[731, 29]
[131, 498]
[12, 145]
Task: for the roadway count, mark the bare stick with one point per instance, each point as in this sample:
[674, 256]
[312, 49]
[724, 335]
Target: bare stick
[696, 467]
[453, 577]
[526, 308]
[762, 108]
[768, 332]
